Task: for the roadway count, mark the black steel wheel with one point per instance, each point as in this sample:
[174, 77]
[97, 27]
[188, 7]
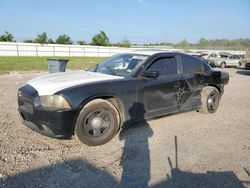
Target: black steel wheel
[210, 99]
[97, 123]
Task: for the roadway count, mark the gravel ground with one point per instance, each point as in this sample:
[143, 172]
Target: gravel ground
[183, 150]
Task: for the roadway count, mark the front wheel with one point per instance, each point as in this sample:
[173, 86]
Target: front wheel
[97, 123]
[210, 98]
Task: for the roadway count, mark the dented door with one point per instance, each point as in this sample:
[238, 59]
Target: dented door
[161, 95]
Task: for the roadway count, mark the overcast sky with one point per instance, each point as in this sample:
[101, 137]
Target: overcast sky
[140, 21]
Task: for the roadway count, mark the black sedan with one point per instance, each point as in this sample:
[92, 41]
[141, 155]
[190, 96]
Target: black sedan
[94, 105]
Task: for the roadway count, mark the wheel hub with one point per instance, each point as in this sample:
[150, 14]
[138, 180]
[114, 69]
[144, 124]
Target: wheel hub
[210, 101]
[96, 122]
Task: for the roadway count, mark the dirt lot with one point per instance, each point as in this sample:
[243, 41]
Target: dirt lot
[184, 150]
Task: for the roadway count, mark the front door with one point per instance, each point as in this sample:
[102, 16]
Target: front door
[160, 95]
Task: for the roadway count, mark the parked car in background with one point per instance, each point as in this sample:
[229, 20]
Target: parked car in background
[247, 65]
[246, 62]
[200, 56]
[224, 60]
[94, 105]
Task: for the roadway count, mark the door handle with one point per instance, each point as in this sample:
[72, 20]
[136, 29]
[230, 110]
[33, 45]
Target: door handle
[177, 84]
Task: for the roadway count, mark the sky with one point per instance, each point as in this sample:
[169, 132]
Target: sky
[140, 21]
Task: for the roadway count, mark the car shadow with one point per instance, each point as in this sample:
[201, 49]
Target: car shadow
[243, 72]
[70, 173]
[135, 166]
[179, 178]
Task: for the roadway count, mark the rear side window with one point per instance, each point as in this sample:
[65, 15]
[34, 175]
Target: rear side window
[167, 65]
[191, 65]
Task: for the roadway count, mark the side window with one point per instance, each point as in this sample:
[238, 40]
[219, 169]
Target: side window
[191, 65]
[167, 65]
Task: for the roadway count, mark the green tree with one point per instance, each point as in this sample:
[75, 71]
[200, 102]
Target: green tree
[234, 43]
[28, 41]
[101, 39]
[202, 43]
[81, 42]
[183, 44]
[7, 37]
[41, 38]
[50, 41]
[124, 43]
[64, 39]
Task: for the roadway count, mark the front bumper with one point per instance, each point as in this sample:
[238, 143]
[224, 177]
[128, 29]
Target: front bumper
[55, 124]
[52, 123]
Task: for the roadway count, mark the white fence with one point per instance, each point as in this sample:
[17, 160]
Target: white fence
[32, 49]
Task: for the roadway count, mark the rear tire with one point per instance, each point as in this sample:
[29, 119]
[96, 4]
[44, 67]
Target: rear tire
[97, 123]
[223, 65]
[210, 99]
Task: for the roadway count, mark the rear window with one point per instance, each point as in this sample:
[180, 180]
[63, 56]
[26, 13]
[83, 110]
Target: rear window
[191, 65]
[165, 66]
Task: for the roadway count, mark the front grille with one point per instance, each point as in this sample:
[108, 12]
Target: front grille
[26, 95]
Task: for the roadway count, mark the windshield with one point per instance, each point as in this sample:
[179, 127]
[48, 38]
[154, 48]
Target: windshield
[120, 65]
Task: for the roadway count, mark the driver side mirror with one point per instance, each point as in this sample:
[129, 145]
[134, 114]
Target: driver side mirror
[150, 74]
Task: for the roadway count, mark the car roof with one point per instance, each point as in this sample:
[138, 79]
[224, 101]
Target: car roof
[153, 51]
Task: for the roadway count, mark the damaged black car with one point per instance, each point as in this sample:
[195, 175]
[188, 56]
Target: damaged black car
[94, 105]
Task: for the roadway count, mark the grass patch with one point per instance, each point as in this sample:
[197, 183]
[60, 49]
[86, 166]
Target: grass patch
[10, 63]
[245, 60]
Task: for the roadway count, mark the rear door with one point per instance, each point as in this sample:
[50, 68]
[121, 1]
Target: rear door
[159, 95]
[230, 61]
[194, 78]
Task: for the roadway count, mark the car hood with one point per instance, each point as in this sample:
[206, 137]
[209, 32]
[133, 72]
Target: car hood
[51, 83]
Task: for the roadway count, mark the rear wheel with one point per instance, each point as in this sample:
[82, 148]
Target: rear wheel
[223, 65]
[97, 123]
[210, 98]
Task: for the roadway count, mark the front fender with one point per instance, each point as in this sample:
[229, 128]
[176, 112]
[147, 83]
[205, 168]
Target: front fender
[124, 91]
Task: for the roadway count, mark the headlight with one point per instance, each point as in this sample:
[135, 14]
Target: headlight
[54, 101]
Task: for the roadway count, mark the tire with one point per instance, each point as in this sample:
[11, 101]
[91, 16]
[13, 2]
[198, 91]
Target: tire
[223, 65]
[97, 123]
[210, 99]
